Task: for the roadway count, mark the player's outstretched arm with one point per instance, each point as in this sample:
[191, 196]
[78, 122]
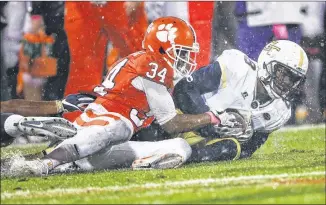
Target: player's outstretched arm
[184, 123]
[162, 107]
[31, 108]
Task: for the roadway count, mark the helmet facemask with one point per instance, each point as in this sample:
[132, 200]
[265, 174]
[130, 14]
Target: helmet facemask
[184, 59]
[283, 80]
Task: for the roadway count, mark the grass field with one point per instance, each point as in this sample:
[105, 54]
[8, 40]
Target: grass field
[289, 168]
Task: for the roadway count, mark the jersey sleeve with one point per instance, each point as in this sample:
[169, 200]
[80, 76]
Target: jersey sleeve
[188, 95]
[159, 100]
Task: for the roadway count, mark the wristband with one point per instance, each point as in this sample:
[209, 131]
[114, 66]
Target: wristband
[36, 17]
[214, 120]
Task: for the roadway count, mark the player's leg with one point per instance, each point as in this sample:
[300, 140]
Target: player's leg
[138, 24]
[253, 144]
[117, 27]
[119, 156]
[217, 150]
[164, 154]
[97, 133]
[139, 155]
[205, 149]
[86, 44]
[135, 33]
[142, 155]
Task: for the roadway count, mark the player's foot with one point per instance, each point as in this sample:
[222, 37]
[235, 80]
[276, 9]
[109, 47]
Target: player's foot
[20, 167]
[164, 161]
[54, 128]
[217, 150]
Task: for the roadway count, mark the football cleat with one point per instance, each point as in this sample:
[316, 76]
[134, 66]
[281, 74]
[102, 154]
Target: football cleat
[53, 128]
[163, 161]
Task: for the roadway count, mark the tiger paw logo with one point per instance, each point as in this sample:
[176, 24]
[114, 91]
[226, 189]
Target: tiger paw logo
[166, 33]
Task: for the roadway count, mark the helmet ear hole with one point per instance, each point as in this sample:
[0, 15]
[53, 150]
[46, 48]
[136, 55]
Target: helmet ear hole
[162, 51]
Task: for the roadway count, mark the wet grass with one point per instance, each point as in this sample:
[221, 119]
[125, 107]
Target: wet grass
[288, 152]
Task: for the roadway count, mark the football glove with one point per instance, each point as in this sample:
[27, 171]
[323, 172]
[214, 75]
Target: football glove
[75, 102]
[232, 124]
[226, 119]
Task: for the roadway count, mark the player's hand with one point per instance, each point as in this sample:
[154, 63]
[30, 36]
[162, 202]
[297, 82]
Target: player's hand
[75, 102]
[231, 124]
[226, 119]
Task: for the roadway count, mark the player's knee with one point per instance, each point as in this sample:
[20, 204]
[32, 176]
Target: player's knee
[118, 132]
[65, 153]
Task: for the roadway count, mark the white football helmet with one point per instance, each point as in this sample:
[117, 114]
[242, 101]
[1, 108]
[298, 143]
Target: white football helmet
[282, 67]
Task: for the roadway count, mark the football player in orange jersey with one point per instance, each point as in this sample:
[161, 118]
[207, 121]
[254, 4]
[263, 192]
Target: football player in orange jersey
[135, 92]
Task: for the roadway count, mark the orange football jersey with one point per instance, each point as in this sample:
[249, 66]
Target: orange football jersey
[118, 94]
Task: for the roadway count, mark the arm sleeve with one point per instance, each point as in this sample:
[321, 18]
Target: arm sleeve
[159, 100]
[187, 95]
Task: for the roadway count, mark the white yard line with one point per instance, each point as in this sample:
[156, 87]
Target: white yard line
[205, 182]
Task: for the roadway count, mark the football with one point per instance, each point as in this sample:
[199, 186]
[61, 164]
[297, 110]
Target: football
[240, 119]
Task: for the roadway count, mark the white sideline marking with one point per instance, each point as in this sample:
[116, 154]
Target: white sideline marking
[204, 182]
[301, 127]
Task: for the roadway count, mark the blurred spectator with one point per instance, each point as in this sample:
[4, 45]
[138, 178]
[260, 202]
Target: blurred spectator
[322, 84]
[224, 27]
[12, 23]
[89, 26]
[3, 24]
[156, 9]
[314, 44]
[3, 21]
[53, 16]
[36, 61]
[261, 22]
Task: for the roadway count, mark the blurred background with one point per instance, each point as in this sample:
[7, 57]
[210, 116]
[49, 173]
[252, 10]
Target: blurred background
[52, 49]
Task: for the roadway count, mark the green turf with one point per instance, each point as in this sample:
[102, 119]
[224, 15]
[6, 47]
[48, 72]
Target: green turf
[285, 152]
